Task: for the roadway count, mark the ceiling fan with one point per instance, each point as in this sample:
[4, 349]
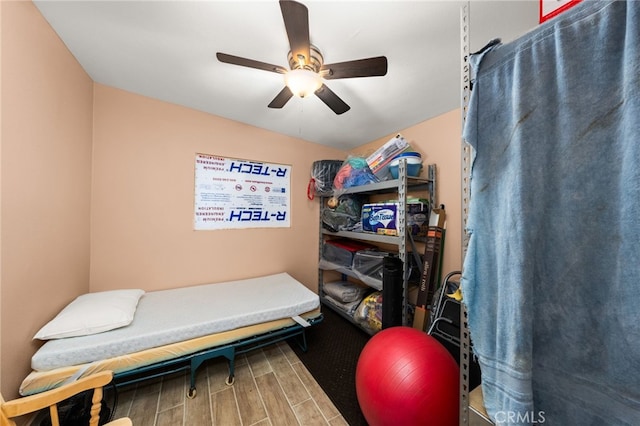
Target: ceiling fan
[307, 70]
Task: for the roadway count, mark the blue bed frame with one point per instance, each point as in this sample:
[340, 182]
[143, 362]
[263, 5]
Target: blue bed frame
[229, 351]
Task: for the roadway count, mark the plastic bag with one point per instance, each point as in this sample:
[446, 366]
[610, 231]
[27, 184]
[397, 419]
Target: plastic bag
[345, 216]
[369, 313]
[354, 172]
[323, 172]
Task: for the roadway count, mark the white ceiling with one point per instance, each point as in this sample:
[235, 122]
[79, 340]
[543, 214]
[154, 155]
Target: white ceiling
[166, 50]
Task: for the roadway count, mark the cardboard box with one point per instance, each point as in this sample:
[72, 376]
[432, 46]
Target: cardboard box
[431, 269]
[379, 161]
[421, 318]
[437, 218]
[431, 272]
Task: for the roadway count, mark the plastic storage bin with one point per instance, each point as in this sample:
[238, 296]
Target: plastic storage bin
[369, 263]
[414, 164]
[340, 252]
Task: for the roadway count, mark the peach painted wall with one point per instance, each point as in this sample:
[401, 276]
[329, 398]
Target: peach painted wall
[0, 198]
[45, 177]
[97, 190]
[438, 140]
[143, 198]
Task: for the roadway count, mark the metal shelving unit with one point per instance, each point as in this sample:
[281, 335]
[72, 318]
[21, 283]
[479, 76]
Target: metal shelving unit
[401, 186]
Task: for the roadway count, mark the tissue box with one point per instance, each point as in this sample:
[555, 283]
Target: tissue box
[382, 218]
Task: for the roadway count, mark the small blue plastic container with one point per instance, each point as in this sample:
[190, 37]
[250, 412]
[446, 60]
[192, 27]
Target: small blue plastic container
[414, 164]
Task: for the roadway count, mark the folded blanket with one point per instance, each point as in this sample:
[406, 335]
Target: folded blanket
[345, 291]
[348, 308]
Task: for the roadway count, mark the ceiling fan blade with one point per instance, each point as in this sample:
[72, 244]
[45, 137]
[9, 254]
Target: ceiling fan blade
[332, 100]
[296, 22]
[281, 98]
[250, 63]
[369, 67]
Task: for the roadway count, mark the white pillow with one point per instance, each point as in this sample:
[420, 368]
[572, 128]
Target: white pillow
[93, 313]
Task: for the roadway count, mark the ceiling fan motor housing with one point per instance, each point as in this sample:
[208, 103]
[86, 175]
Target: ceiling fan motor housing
[314, 63]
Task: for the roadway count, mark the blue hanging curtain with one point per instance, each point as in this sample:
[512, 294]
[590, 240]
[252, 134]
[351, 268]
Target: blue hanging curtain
[552, 272]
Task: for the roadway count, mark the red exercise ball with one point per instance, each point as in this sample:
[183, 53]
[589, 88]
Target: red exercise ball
[406, 377]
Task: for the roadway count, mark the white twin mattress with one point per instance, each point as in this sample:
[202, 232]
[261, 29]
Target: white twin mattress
[170, 316]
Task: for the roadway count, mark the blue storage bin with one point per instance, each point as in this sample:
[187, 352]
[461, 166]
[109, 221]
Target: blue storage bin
[414, 164]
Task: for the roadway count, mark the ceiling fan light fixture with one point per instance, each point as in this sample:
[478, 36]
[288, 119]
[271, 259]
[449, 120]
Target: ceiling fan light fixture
[308, 70]
[302, 82]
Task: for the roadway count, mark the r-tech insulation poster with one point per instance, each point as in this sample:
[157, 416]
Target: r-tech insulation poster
[236, 194]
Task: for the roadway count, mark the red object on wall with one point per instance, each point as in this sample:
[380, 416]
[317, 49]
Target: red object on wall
[551, 8]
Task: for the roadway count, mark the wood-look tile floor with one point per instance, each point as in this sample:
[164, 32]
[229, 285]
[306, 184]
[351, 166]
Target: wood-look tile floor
[271, 387]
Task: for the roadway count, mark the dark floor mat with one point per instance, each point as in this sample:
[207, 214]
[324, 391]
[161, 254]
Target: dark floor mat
[334, 346]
